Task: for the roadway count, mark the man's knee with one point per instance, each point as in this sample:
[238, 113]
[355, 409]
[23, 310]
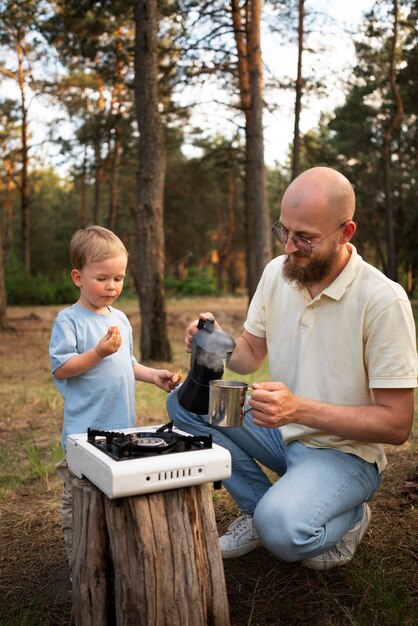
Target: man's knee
[281, 531]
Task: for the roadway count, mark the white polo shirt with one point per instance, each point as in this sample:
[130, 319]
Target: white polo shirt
[356, 335]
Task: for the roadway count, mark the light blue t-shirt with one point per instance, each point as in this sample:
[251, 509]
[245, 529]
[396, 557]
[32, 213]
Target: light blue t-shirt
[103, 397]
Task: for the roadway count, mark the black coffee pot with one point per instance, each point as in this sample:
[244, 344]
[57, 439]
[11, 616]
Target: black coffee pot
[210, 349]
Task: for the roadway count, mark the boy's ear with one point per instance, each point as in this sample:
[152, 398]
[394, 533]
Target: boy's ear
[76, 276]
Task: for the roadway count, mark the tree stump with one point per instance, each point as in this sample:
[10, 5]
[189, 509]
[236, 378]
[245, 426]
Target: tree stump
[147, 560]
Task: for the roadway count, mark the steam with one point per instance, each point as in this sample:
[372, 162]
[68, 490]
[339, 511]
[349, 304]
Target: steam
[216, 353]
[210, 360]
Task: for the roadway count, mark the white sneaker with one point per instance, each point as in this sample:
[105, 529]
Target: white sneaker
[241, 538]
[344, 551]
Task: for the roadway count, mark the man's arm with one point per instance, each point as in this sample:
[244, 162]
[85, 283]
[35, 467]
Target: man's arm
[388, 421]
[248, 355]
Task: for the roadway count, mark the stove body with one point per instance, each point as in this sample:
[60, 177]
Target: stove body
[146, 459]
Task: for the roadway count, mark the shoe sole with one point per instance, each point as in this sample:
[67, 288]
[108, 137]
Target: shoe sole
[326, 565]
[236, 552]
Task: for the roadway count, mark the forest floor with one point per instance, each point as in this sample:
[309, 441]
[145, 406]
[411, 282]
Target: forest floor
[380, 585]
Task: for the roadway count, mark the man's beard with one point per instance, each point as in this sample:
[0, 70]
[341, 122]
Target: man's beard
[314, 272]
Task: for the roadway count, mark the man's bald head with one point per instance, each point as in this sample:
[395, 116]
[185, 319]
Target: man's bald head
[323, 190]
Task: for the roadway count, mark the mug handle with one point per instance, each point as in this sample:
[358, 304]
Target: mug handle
[246, 410]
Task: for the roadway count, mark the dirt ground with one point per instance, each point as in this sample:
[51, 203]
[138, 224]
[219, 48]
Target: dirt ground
[378, 587]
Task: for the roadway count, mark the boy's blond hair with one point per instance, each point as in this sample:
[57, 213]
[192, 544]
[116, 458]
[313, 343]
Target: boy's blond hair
[94, 243]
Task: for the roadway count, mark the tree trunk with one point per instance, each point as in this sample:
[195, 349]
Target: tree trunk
[387, 150]
[244, 87]
[226, 247]
[92, 571]
[115, 153]
[149, 271]
[4, 322]
[114, 183]
[151, 559]
[261, 218]
[298, 96]
[83, 193]
[97, 182]
[410, 283]
[24, 191]
[251, 91]
[99, 176]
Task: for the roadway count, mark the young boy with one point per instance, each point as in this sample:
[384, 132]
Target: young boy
[91, 351]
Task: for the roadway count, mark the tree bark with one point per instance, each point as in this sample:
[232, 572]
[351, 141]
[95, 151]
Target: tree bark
[226, 244]
[24, 191]
[387, 149]
[92, 571]
[149, 271]
[298, 95]
[99, 172]
[98, 177]
[114, 182]
[114, 142]
[250, 76]
[152, 559]
[4, 322]
[83, 192]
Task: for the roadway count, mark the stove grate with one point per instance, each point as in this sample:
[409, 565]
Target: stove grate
[121, 446]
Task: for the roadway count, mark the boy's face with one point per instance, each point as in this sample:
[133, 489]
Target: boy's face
[100, 282]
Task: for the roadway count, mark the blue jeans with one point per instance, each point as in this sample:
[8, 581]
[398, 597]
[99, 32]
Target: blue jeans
[318, 497]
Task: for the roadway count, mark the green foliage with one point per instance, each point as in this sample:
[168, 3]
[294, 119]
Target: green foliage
[352, 139]
[204, 203]
[198, 282]
[24, 289]
[53, 221]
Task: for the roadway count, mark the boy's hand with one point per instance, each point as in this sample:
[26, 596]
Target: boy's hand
[164, 380]
[110, 343]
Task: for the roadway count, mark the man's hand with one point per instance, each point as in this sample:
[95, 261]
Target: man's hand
[272, 404]
[192, 330]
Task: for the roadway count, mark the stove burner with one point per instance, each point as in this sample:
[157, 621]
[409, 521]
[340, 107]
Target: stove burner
[149, 441]
[122, 446]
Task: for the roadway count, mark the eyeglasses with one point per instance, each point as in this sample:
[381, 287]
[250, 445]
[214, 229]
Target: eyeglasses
[301, 243]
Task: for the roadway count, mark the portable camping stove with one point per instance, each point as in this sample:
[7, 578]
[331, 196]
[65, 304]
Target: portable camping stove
[146, 459]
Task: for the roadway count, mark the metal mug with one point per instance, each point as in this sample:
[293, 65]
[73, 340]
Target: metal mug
[226, 403]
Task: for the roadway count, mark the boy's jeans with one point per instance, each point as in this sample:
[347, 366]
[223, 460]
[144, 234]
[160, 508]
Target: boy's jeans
[317, 499]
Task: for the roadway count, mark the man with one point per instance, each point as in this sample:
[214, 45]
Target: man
[340, 340]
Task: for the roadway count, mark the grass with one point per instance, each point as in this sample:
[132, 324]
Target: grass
[29, 463]
[42, 462]
[377, 587]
